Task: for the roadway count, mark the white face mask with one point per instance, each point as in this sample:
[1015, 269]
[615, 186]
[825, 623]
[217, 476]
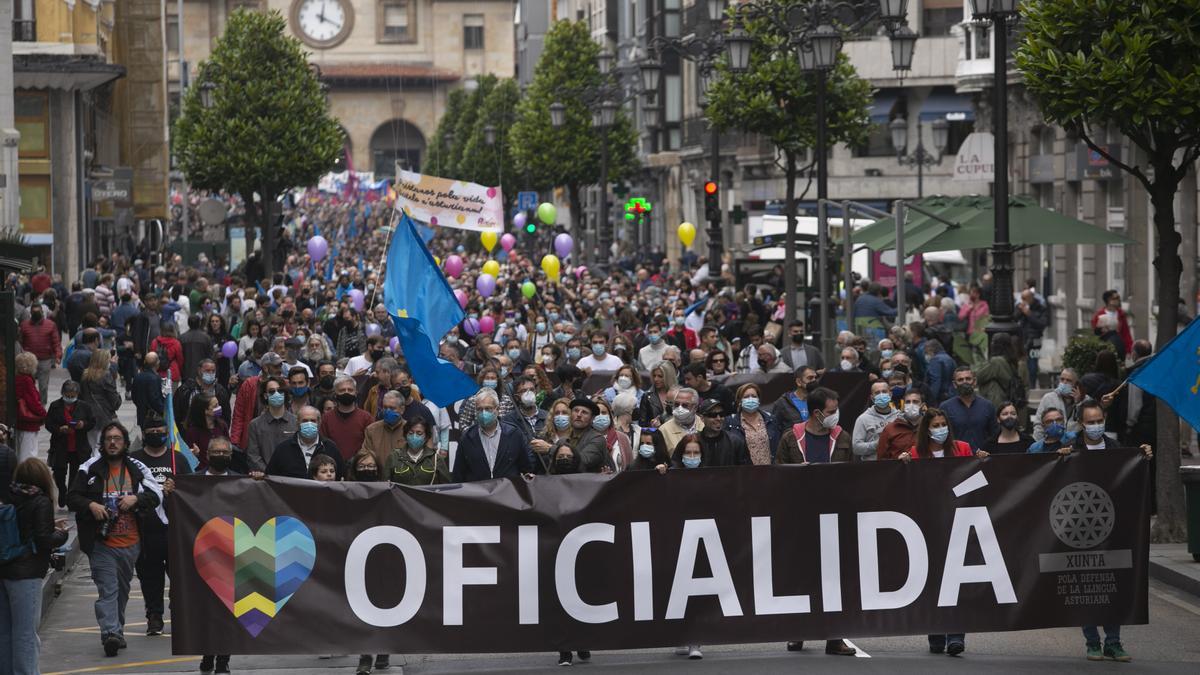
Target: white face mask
[624, 382]
[846, 365]
[528, 399]
[830, 421]
[912, 411]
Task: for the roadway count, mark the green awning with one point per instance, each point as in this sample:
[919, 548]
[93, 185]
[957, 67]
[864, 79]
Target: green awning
[970, 225]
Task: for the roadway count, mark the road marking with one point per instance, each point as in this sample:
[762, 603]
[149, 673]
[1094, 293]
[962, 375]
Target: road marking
[858, 651]
[96, 629]
[1175, 601]
[122, 666]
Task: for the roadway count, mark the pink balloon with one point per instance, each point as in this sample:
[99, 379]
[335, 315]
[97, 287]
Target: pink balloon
[229, 349]
[461, 296]
[486, 285]
[507, 242]
[454, 266]
[487, 324]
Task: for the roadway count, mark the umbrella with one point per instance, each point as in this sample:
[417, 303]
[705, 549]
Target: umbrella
[972, 226]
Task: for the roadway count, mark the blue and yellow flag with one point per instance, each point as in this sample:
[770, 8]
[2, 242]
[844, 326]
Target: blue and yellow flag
[423, 309]
[174, 438]
[1173, 374]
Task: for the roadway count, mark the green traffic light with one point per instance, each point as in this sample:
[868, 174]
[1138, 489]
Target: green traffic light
[530, 228]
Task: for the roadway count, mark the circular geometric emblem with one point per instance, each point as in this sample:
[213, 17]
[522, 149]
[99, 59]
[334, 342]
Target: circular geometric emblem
[1082, 515]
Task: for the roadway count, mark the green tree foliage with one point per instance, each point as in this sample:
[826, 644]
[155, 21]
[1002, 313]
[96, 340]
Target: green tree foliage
[492, 165]
[269, 128]
[464, 126]
[777, 100]
[1131, 67]
[438, 163]
[570, 156]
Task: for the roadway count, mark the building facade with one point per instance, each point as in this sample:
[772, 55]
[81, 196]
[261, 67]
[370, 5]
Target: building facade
[389, 64]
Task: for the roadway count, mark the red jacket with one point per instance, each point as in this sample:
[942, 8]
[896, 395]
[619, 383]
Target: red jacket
[174, 356]
[245, 409]
[35, 414]
[41, 339]
[689, 337]
[346, 431]
[961, 449]
[1122, 327]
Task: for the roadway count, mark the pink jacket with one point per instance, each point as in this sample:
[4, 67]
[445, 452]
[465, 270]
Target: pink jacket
[972, 312]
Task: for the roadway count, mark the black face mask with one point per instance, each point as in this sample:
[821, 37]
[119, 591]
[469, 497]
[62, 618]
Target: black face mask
[346, 399]
[812, 386]
[376, 354]
[218, 462]
[326, 382]
[1009, 423]
[36, 317]
[155, 440]
[798, 338]
[367, 474]
[564, 465]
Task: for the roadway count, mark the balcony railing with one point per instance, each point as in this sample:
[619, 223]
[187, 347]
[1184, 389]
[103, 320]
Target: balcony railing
[24, 30]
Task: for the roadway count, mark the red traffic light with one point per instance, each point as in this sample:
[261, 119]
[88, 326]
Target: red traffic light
[710, 188]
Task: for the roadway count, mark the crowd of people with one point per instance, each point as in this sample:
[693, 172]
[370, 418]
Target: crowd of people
[642, 368]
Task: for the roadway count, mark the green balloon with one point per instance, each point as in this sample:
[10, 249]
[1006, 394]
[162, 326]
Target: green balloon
[528, 289]
[547, 213]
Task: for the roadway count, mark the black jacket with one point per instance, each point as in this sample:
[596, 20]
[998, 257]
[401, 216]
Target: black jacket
[88, 486]
[197, 346]
[146, 390]
[55, 418]
[513, 456]
[288, 458]
[189, 388]
[35, 518]
[725, 449]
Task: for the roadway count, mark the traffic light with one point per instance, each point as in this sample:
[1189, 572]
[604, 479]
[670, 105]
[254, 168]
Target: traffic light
[712, 202]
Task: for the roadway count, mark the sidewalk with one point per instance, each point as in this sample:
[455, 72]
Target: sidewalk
[1174, 566]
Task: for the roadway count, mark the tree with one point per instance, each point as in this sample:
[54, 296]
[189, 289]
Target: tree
[439, 157]
[570, 156]
[1129, 66]
[491, 164]
[777, 100]
[465, 125]
[269, 127]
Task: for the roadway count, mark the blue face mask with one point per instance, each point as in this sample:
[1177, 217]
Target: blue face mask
[882, 400]
[646, 450]
[691, 462]
[514, 354]
[390, 417]
[487, 417]
[275, 398]
[601, 422]
[1055, 430]
[208, 378]
[655, 338]
[598, 350]
[940, 434]
[561, 422]
[540, 327]
[1064, 389]
[308, 430]
[553, 317]
[561, 338]
[489, 384]
[750, 404]
[416, 441]
[300, 391]
[70, 401]
[573, 353]
[886, 354]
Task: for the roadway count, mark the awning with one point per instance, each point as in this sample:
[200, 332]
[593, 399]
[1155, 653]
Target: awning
[65, 72]
[947, 105]
[881, 109]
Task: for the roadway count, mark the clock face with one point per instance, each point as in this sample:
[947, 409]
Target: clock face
[322, 23]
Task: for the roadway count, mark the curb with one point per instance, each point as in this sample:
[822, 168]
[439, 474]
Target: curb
[1172, 577]
[52, 584]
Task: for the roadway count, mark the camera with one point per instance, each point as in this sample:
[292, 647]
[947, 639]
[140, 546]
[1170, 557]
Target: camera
[106, 526]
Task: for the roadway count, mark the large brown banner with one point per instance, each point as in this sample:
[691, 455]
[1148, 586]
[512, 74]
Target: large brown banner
[700, 556]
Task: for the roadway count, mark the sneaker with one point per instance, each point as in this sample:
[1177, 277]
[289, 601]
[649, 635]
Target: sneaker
[956, 647]
[797, 646]
[383, 661]
[111, 645]
[206, 663]
[681, 651]
[585, 656]
[222, 665]
[1116, 652]
[694, 652]
[839, 648]
[564, 658]
[121, 644]
[364, 665]
[1095, 653]
[154, 625]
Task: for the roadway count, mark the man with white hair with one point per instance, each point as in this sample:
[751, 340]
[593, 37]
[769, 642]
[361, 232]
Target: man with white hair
[683, 420]
[768, 360]
[1106, 329]
[491, 448]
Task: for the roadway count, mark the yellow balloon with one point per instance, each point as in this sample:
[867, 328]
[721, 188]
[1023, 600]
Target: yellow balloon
[489, 240]
[491, 267]
[551, 266]
[437, 260]
[687, 233]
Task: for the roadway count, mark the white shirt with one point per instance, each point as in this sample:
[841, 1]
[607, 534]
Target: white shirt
[306, 449]
[939, 453]
[652, 354]
[609, 363]
[355, 364]
[491, 446]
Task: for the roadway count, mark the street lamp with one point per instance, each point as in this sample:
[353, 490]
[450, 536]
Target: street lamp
[604, 62]
[737, 48]
[650, 115]
[489, 134]
[904, 43]
[998, 12]
[558, 115]
[651, 71]
[920, 157]
[208, 94]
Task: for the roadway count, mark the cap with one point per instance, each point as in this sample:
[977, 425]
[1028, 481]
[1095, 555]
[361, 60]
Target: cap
[710, 405]
[588, 403]
[270, 359]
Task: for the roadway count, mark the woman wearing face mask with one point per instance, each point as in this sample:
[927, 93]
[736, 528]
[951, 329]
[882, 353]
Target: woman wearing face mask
[653, 403]
[251, 330]
[1011, 439]
[648, 454]
[688, 455]
[364, 468]
[564, 462]
[623, 408]
[558, 430]
[489, 378]
[418, 462]
[205, 421]
[551, 356]
[219, 335]
[616, 442]
[935, 440]
[540, 336]
[626, 379]
[754, 425]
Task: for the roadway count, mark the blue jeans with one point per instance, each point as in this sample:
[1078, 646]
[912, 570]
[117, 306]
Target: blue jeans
[112, 572]
[20, 612]
[1112, 635]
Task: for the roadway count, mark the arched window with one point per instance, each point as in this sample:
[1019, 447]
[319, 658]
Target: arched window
[396, 141]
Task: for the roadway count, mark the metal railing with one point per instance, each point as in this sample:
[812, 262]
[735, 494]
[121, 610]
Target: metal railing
[24, 30]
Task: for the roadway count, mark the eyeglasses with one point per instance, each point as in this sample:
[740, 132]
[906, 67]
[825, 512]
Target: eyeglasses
[721, 360]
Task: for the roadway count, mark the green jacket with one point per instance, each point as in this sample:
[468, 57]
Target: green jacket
[428, 469]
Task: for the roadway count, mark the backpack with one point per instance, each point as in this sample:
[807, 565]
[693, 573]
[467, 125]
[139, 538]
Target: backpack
[11, 544]
[164, 357]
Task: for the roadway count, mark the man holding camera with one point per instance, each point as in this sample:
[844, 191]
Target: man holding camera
[108, 495]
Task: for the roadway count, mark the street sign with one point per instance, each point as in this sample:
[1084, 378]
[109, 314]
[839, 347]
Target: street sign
[527, 200]
[117, 190]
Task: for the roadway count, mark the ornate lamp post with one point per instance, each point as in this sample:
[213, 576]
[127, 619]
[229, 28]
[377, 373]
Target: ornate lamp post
[920, 157]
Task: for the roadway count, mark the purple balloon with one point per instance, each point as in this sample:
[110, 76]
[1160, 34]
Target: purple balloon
[229, 349]
[486, 285]
[373, 329]
[454, 266]
[461, 296]
[563, 244]
[356, 299]
[519, 220]
[318, 248]
[471, 327]
[394, 344]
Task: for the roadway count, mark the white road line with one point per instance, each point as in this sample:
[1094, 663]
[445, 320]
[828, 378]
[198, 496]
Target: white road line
[858, 651]
[1175, 601]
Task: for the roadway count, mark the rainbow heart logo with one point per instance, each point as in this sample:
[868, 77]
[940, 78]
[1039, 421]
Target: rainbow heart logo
[254, 573]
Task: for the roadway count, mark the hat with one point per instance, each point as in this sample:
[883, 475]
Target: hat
[588, 403]
[270, 359]
[709, 405]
